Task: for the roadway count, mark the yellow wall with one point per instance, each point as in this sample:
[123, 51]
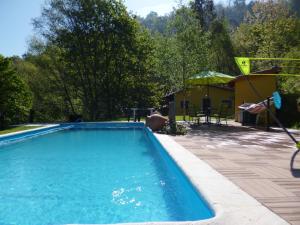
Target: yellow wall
[265, 85]
[196, 94]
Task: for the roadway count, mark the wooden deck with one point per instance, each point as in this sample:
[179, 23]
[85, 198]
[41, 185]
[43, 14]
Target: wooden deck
[257, 161]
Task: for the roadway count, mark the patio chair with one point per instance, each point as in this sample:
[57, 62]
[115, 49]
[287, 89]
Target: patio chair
[206, 110]
[192, 113]
[133, 114]
[222, 113]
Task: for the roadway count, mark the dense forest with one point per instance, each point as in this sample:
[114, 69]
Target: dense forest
[95, 59]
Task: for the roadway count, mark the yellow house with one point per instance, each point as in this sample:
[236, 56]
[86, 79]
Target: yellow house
[195, 95]
[265, 85]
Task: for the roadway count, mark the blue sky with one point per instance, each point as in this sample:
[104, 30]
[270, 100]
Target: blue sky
[16, 17]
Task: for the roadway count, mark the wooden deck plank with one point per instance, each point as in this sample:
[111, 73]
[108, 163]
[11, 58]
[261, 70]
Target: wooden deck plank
[256, 161]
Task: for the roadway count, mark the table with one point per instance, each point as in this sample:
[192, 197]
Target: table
[134, 112]
[206, 114]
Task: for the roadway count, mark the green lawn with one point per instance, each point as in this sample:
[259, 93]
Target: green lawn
[120, 119]
[19, 128]
[178, 118]
[143, 119]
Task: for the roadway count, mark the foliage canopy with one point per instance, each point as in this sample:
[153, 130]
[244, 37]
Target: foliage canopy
[105, 57]
[15, 96]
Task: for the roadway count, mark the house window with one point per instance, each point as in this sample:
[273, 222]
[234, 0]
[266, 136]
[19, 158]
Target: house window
[206, 104]
[228, 102]
[186, 104]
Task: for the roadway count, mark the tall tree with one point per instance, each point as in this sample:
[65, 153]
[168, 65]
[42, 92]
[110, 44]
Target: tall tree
[191, 45]
[55, 98]
[15, 97]
[103, 50]
[205, 12]
[220, 56]
[221, 52]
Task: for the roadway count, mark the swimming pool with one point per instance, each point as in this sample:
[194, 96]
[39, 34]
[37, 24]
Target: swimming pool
[93, 173]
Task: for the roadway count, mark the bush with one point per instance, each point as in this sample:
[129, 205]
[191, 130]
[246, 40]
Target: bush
[176, 129]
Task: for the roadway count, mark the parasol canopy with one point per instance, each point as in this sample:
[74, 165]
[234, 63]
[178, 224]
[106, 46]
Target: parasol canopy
[209, 77]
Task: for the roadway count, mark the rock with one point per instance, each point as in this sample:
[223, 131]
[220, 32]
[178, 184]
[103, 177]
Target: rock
[156, 122]
[155, 113]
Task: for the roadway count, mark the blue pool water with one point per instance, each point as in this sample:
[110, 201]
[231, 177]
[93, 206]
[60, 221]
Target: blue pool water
[93, 176]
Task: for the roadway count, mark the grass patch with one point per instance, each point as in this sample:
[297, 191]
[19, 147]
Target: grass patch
[180, 118]
[118, 119]
[19, 128]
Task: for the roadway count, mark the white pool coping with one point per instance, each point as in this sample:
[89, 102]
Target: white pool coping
[43, 126]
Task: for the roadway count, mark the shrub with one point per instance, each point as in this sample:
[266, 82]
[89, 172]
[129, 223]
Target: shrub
[176, 129]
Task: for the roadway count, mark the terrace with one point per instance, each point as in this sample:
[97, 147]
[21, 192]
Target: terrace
[256, 161]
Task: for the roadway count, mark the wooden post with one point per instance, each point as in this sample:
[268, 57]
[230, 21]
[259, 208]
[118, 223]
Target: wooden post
[172, 115]
[268, 114]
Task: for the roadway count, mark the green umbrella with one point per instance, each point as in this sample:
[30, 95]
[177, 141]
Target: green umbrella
[209, 77]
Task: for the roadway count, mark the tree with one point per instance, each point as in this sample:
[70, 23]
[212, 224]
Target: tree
[270, 30]
[104, 53]
[15, 97]
[155, 23]
[221, 56]
[54, 98]
[236, 13]
[221, 52]
[167, 64]
[295, 5]
[291, 84]
[205, 12]
[190, 46]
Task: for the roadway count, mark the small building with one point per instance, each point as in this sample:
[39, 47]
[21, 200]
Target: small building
[195, 95]
[244, 93]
